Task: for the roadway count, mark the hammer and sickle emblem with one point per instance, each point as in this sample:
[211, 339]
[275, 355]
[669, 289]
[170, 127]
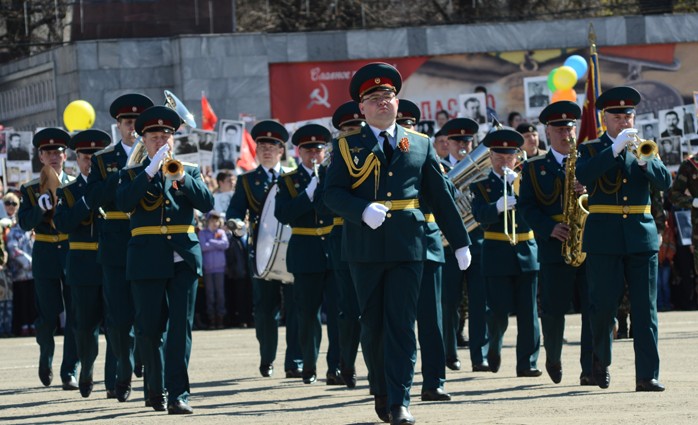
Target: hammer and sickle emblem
[319, 96]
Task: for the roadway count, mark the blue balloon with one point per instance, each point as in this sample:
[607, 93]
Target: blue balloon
[579, 65]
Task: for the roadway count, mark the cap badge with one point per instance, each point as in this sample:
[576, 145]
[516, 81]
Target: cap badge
[356, 115]
[312, 139]
[399, 114]
[462, 131]
[268, 133]
[377, 80]
[134, 109]
[51, 141]
[92, 144]
[564, 116]
[160, 122]
[505, 144]
[622, 103]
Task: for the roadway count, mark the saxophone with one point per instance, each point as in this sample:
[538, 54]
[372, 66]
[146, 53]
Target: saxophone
[574, 212]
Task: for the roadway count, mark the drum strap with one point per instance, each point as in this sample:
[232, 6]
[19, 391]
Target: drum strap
[291, 186]
[251, 201]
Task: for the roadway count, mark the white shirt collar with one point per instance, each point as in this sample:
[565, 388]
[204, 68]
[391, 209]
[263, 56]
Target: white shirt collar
[84, 177]
[310, 171]
[558, 156]
[392, 133]
[126, 147]
[276, 168]
[452, 159]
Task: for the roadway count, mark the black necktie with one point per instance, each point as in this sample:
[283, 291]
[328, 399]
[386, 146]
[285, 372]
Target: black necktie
[564, 162]
[387, 148]
[273, 175]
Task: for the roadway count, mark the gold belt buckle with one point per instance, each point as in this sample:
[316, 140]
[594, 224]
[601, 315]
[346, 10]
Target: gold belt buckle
[388, 204]
[318, 231]
[163, 230]
[626, 209]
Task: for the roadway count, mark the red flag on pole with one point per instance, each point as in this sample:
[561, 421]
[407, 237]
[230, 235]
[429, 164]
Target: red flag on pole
[208, 117]
[591, 127]
[248, 152]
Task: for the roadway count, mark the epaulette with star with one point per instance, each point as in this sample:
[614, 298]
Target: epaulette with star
[536, 158]
[416, 133]
[589, 142]
[190, 164]
[290, 173]
[105, 150]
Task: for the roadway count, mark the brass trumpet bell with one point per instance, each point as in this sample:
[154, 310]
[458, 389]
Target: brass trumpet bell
[171, 168]
[644, 150]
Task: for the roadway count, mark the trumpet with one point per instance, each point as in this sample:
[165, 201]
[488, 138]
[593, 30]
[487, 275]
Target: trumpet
[171, 168]
[644, 150]
[512, 236]
[316, 169]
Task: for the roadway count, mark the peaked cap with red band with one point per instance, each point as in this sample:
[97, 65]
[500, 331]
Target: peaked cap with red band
[89, 141]
[269, 131]
[408, 112]
[158, 118]
[462, 129]
[619, 100]
[311, 136]
[51, 139]
[503, 141]
[348, 113]
[129, 105]
[560, 114]
[372, 77]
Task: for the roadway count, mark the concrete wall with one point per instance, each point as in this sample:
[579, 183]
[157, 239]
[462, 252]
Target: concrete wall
[233, 69]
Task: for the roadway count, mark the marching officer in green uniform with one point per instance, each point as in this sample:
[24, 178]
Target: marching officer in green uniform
[164, 258]
[249, 196]
[461, 133]
[49, 254]
[374, 182]
[346, 118]
[509, 256]
[114, 236]
[77, 216]
[429, 318]
[541, 202]
[306, 257]
[620, 236]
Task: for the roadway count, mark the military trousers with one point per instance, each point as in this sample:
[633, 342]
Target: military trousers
[452, 297]
[162, 304]
[515, 294]
[50, 297]
[118, 303]
[607, 276]
[349, 326]
[267, 298]
[309, 291]
[89, 313]
[429, 327]
[387, 294]
[559, 284]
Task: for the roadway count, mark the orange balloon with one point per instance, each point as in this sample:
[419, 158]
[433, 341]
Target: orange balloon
[568, 94]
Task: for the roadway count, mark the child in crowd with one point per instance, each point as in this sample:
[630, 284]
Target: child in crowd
[214, 243]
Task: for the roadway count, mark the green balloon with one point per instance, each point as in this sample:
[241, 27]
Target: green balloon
[551, 84]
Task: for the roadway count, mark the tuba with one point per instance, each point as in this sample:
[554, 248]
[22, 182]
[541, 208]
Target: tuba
[574, 212]
[170, 167]
[473, 167]
[48, 184]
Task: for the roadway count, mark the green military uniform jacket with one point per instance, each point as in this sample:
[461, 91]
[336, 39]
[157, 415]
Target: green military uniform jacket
[619, 219]
[82, 226]
[684, 190]
[102, 184]
[250, 193]
[50, 246]
[499, 257]
[359, 174]
[540, 203]
[305, 253]
[162, 220]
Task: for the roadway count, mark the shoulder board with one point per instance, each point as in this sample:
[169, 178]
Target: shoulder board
[588, 142]
[133, 166]
[71, 179]
[482, 180]
[290, 173]
[349, 133]
[105, 150]
[249, 173]
[69, 183]
[31, 183]
[189, 164]
[416, 133]
[536, 158]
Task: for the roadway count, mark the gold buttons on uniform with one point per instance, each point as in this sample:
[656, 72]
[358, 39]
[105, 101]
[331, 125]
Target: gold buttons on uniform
[167, 201]
[169, 236]
[625, 180]
[389, 215]
[318, 232]
[390, 194]
[168, 219]
[322, 222]
[163, 229]
[58, 246]
[625, 215]
[388, 204]
[625, 198]
[390, 173]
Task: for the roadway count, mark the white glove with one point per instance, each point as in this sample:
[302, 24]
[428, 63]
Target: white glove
[695, 202]
[510, 175]
[511, 202]
[624, 137]
[374, 215]
[464, 258]
[156, 162]
[45, 202]
[310, 189]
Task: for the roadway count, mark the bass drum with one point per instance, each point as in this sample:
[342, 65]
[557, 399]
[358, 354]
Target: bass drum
[271, 243]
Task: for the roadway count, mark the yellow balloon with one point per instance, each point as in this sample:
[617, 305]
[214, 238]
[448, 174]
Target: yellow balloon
[78, 115]
[565, 78]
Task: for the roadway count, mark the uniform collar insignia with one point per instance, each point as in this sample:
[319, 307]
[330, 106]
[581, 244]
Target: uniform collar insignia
[356, 149]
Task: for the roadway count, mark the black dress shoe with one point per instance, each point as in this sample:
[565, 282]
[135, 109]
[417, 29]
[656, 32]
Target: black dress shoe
[157, 401]
[45, 375]
[481, 367]
[554, 371]
[70, 384]
[461, 342]
[651, 385]
[400, 415]
[381, 406]
[529, 373]
[494, 360]
[586, 380]
[123, 391]
[334, 378]
[349, 377]
[294, 373]
[111, 394]
[453, 364]
[179, 407]
[601, 375]
[138, 370]
[86, 388]
[309, 376]
[266, 370]
[437, 394]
